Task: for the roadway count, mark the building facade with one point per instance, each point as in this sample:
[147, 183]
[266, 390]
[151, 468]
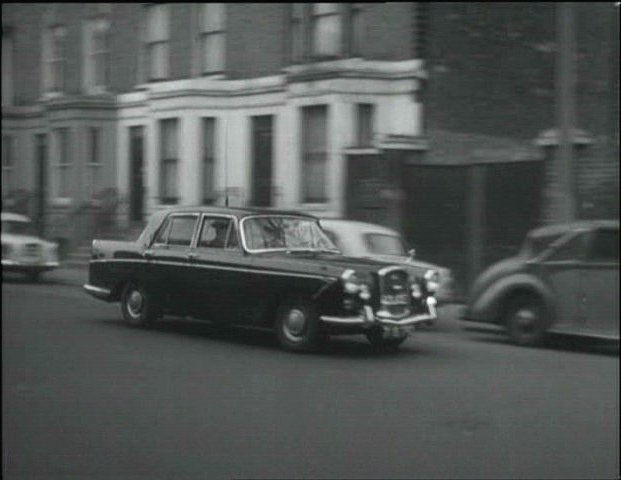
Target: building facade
[110, 111]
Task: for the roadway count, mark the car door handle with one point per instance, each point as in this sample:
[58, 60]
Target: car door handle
[191, 256]
[148, 254]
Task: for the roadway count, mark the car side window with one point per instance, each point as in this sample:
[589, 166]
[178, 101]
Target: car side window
[334, 238]
[573, 249]
[181, 231]
[605, 246]
[161, 238]
[218, 232]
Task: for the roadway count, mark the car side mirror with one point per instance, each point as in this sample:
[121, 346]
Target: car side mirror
[412, 253]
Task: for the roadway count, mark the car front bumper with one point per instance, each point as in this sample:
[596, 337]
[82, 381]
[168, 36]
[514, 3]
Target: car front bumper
[19, 265]
[367, 318]
[97, 292]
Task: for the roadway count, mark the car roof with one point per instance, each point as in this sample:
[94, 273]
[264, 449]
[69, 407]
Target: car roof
[16, 217]
[560, 228]
[362, 227]
[238, 212]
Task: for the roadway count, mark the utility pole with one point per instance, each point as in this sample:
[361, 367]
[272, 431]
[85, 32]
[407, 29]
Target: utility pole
[565, 111]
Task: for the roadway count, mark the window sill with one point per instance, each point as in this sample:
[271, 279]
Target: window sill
[62, 202]
[52, 95]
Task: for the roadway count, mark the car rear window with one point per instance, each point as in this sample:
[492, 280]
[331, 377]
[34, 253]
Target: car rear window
[383, 244]
[605, 246]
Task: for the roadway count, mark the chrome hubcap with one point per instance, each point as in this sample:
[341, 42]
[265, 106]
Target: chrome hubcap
[525, 320]
[294, 324]
[135, 302]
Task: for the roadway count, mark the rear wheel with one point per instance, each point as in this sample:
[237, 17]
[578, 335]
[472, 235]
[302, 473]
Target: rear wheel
[524, 320]
[297, 326]
[138, 306]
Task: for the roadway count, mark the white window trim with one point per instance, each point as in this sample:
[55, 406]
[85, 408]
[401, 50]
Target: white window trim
[89, 55]
[148, 43]
[50, 32]
[59, 166]
[7, 69]
[204, 33]
[315, 19]
[314, 150]
[8, 168]
[94, 168]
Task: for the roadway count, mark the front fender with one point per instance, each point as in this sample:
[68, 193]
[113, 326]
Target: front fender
[487, 306]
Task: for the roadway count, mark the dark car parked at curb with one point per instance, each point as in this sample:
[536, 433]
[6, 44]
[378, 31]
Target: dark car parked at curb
[255, 267]
[564, 280]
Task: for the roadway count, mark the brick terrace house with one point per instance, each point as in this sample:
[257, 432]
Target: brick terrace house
[490, 171]
[127, 108]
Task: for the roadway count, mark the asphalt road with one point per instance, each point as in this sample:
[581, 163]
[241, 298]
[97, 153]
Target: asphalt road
[87, 397]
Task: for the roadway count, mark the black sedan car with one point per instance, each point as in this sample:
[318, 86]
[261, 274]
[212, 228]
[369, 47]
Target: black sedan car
[263, 268]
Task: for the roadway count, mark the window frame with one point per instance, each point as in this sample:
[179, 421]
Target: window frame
[54, 58]
[558, 245]
[8, 49]
[63, 161]
[94, 167]
[315, 19]
[205, 158]
[150, 44]
[308, 151]
[167, 225]
[232, 227]
[206, 33]
[360, 141]
[165, 199]
[8, 162]
[590, 250]
[96, 57]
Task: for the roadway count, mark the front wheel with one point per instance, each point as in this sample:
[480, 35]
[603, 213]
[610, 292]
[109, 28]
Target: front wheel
[138, 307]
[378, 339]
[524, 321]
[297, 326]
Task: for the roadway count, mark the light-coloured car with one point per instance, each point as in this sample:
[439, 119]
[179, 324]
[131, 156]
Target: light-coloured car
[368, 240]
[22, 250]
[565, 279]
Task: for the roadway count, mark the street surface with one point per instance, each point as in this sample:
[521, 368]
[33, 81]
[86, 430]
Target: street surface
[87, 397]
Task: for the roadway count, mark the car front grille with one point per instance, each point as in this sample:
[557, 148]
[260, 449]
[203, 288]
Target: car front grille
[394, 289]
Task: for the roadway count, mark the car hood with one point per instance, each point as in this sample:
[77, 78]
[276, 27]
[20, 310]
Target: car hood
[496, 271]
[21, 239]
[405, 261]
[321, 263]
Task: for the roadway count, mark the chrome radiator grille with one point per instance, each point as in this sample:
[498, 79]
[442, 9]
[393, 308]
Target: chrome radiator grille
[394, 291]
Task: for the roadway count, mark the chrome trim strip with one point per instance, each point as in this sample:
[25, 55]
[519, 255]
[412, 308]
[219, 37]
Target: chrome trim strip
[362, 320]
[391, 268]
[214, 267]
[18, 263]
[96, 291]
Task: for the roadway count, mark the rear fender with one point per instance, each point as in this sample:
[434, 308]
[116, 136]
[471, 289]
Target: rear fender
[489, 304]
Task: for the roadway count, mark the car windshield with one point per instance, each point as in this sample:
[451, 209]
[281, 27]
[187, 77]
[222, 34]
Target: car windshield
[18, 227]
[267, 233]
[534, 246]
[382, 244]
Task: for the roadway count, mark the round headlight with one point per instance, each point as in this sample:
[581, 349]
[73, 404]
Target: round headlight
[432, 280]
[350, 281]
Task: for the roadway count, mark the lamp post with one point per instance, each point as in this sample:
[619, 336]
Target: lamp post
[565, 110]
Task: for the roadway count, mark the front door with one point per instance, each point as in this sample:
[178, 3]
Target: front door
[600, 284]
[169, 258]
[136, 184]
[41, 181]
[262, 161]
[562, 271]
